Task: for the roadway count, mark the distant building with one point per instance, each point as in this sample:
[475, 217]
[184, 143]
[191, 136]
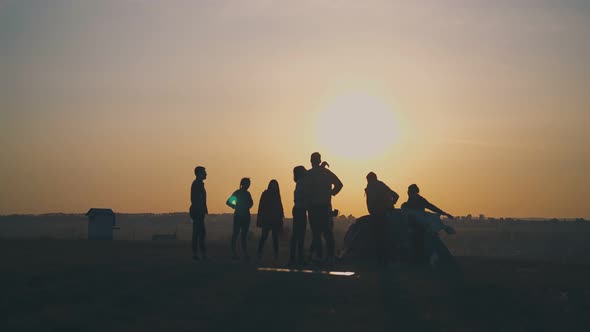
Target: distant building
[101, 223]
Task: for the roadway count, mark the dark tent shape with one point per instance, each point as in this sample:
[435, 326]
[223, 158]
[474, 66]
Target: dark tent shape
[359, 244]
[359, 241]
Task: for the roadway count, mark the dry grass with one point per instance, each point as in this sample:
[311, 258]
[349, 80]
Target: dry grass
[82, 285]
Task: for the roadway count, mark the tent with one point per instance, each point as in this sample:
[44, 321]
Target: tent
[403, 228]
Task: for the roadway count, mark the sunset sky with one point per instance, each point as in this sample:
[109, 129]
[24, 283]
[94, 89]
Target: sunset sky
[112, 103]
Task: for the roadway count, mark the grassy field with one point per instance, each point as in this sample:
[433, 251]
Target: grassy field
[78, 285]
[539, 240]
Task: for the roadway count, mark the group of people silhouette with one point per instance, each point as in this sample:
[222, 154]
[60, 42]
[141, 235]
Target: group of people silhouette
[312, 198]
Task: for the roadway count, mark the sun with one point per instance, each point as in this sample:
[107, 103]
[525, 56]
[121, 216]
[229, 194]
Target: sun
[356, 126]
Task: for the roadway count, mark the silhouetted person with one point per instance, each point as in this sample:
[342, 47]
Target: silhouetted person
[417, 202]
[420, 236]
[241, 202]
[380, 201]
[299, 217]
[197, 212]
[313, 243]
[270, 217]
[320, 185]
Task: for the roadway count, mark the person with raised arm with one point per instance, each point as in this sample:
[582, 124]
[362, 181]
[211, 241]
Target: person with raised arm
[419, 203]
[320, 185]
[424, 226]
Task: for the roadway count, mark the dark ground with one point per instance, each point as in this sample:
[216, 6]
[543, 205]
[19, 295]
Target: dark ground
[74, 285]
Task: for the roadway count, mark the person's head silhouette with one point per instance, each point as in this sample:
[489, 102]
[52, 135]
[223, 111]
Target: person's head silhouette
[316, 159]
[273, 186]
[413, 190]
[298, 173]
[371, 177]
[245, 183]
[200, 173]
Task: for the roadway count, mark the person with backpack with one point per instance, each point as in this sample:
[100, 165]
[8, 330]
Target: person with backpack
[270, 217]
[380, 203]
[241, 201]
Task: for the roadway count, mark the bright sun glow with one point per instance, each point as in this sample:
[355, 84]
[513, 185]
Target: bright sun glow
[357, 126]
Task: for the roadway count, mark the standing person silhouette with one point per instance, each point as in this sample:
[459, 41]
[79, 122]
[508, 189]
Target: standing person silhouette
[299, 218]
[197, 212]
[421, 239]
[241, 202]
[270, 217]
[380, 201]
[320, 185]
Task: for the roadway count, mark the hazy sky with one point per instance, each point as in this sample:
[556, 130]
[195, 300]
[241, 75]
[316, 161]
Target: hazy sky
[112, 103]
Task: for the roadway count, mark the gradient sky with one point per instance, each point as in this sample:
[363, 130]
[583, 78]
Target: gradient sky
[112, 103]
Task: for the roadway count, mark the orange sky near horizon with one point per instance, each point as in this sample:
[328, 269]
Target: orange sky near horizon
[113, 103]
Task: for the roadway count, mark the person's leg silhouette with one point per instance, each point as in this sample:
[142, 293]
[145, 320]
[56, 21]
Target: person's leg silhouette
[275, 242]
[234, 236]
[245, 228]
[263, 237]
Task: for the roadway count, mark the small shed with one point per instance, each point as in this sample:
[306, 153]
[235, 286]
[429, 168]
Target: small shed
[101, 223]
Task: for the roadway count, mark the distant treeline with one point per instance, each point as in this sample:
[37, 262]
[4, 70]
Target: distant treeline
[530, 239]
[135, 217]
[180, 216]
